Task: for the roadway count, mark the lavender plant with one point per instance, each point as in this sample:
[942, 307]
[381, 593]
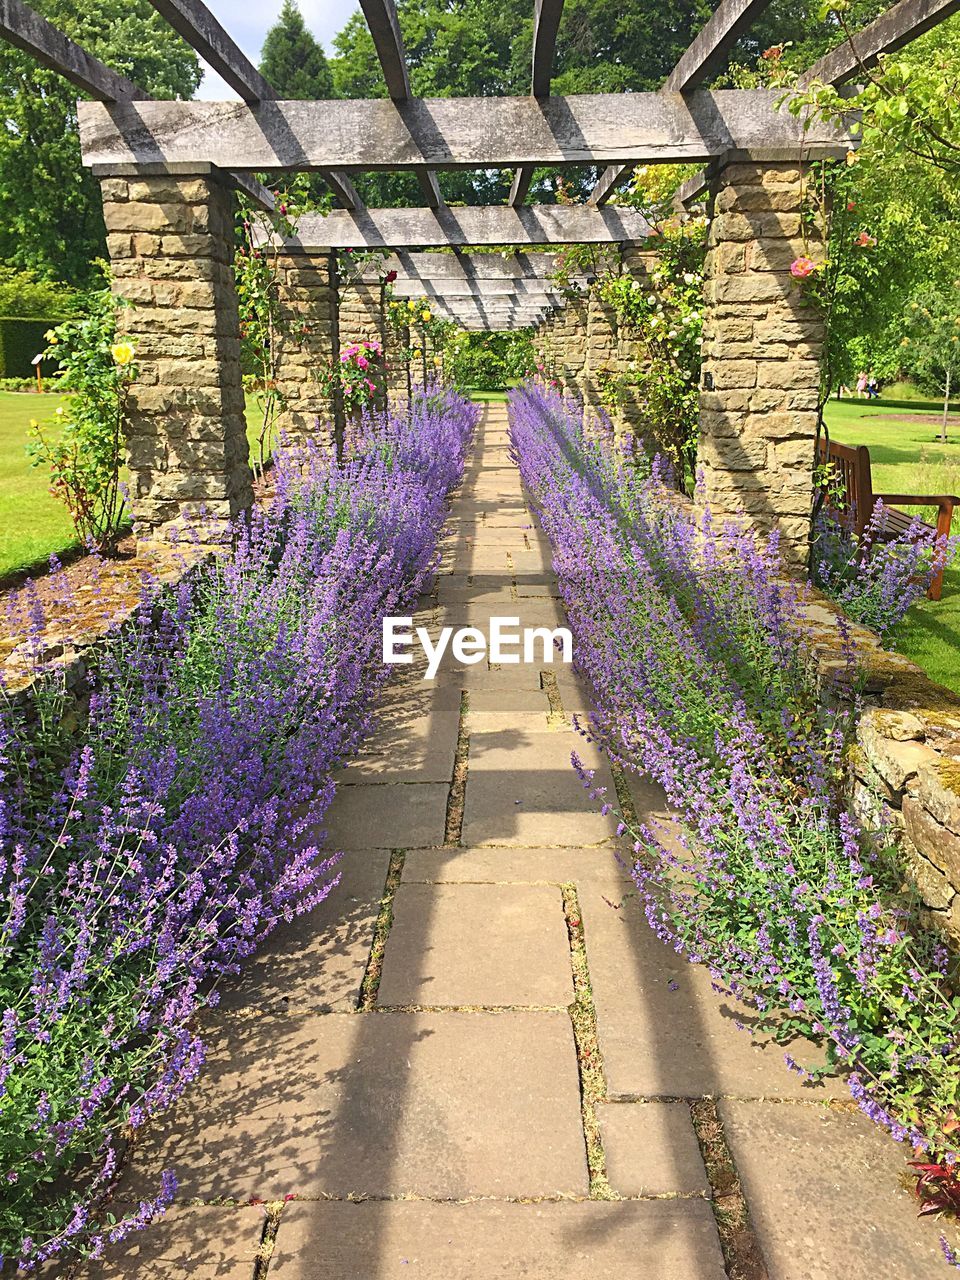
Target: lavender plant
[876, 579]
[696, 652]
[140, 866]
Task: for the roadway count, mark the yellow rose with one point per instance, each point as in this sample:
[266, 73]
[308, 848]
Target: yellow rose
[411, 305]
[425, 315]
[122, 352]
[438, 361]
[417, 353]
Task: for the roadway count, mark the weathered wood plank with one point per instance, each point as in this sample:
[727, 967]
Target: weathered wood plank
[381, 18]
[708, 52]
[30, 33]
[464, 267]
[900, 24]
[452, 133]
[534, 291]
[546, 22]
[201, 30]
[607, 184]
[342, 188]
[488, 225]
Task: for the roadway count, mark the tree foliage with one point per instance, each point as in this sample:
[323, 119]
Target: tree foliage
[292, 60]
[50, 215]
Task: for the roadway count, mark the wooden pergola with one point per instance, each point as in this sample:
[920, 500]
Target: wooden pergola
[168, 169]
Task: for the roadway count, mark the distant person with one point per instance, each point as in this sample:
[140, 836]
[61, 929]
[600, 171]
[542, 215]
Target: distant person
[873, 387]
[862, 385]
[843, 390]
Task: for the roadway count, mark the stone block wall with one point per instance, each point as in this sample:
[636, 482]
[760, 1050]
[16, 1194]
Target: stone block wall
[171, 245]
[762, 343]
[309, 304]
[904, 766]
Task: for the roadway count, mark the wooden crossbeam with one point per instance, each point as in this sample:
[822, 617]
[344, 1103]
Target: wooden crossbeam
[702, 60]
[201, 30]
[481, 225]
[384, 25]
[708, 52]
[426, 265]
[900, 24]
[535, 291]
[30, 33]
[607, 184]
[455, 133]
[546, 23]
[381, 18]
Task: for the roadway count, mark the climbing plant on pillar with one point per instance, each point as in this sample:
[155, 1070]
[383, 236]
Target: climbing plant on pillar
[265, 324]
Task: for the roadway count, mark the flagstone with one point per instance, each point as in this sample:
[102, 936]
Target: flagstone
[651, 1149]
[317, 962]
[471, 944]
[519, 866]
[446, 1105]
[395, 815]
[826, 1197]
[656, 1239]
[188, 1243]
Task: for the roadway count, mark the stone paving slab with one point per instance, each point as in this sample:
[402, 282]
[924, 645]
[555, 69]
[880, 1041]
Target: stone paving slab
[664, 1032]
[474, 944]
[318, 960]
[653, 1240]
[195, 1243]
[415, 739]
[393, 815]
[444, 1105]
[518, 866]
[651, 1149]
[824, 1195]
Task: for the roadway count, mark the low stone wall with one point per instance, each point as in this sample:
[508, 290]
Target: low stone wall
[904, 767]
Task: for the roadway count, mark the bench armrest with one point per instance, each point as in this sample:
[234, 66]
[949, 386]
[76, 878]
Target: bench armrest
[941, 500]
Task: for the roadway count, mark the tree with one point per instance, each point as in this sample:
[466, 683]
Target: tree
[932, 344]
[51, 221]
[292, 60]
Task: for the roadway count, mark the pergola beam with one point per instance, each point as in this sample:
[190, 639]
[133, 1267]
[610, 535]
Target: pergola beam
[460, 267]
[384, 26]
[454, 133]
[900, 24]
[479, 225]
[546, 23]
[708, 52]
[607, 184]
[201, 30]
[30, 33]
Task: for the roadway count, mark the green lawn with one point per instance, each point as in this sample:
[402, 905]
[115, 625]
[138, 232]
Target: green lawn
[33, 525]
[907, 457]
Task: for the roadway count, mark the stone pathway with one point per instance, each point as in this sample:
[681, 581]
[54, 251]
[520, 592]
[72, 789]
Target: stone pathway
[474, 1061]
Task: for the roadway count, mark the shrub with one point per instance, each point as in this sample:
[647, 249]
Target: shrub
[21, 339]
[696, 651]
[147, 861]
[877, 581]
[84, 459]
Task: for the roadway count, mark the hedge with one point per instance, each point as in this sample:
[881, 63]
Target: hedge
[20, 340]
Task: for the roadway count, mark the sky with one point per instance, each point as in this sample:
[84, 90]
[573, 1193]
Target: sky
[249, 20]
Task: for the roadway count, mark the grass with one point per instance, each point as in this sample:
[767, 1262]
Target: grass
[907, 457]
[33, 524]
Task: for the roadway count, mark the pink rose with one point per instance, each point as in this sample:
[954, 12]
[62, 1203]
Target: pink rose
[800, 268]
[362, 362]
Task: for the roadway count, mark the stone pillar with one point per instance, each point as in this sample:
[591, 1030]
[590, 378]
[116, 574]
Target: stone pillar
[309, 306]
[761, 356]
[171, 245]
[600, 357]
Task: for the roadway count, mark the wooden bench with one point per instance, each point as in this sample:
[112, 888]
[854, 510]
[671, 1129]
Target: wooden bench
[854, 497]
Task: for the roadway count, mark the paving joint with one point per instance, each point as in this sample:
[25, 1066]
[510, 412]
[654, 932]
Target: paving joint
[583, 1016]
[742, 1256]
[268, 1239]
[371, 977]
[453, 825]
